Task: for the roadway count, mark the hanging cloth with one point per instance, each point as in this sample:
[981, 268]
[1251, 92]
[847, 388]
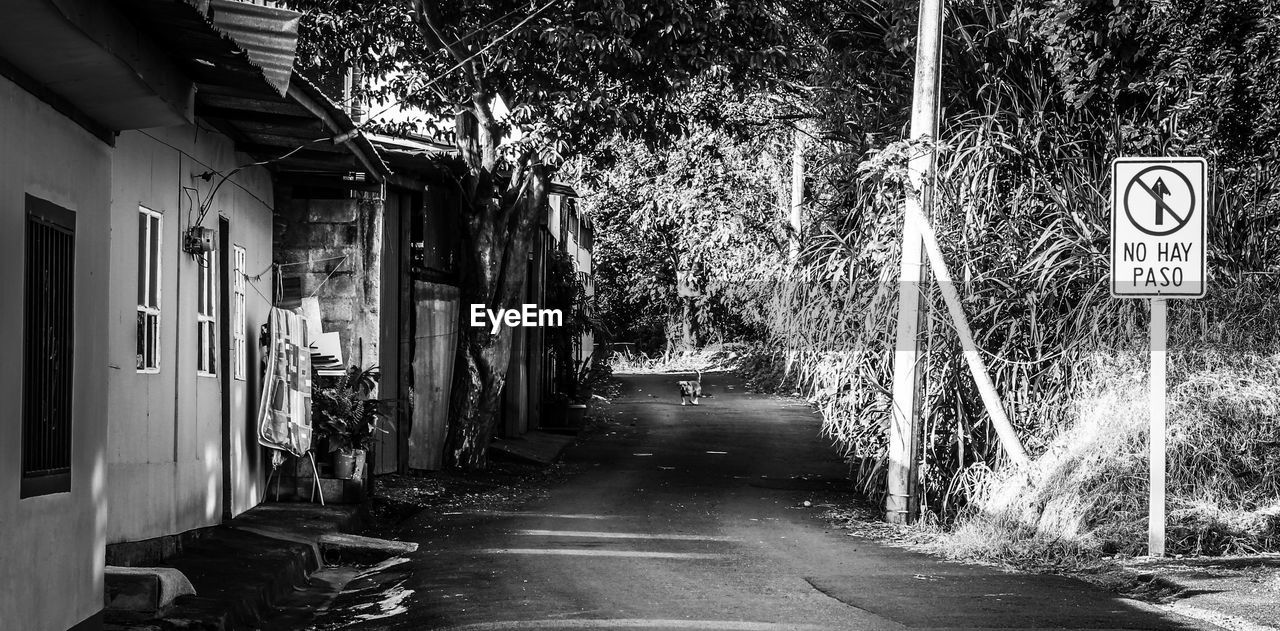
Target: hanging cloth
[284, 412]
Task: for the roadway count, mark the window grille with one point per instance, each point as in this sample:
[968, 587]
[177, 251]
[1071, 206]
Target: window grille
[206, 349]
[48, 324]
[238, 346]
[148, 335]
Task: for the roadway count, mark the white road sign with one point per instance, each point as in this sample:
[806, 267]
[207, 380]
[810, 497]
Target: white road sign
[1158, 209]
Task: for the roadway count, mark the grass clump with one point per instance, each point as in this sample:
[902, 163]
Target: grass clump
[1085, 496]
[722, 356]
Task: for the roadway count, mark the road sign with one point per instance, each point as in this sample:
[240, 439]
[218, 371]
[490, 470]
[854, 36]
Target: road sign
[1158, 211]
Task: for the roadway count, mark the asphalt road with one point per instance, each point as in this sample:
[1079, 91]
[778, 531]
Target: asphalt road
[693, 518]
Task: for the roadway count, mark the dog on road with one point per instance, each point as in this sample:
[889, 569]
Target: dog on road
[691, 390]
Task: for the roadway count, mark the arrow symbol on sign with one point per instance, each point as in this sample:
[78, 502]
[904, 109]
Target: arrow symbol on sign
[1160, 191]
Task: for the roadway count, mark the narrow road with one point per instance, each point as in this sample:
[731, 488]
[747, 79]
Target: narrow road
[693, 518]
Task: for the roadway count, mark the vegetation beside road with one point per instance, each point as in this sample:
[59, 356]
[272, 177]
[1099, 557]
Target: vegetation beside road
[1039, 97]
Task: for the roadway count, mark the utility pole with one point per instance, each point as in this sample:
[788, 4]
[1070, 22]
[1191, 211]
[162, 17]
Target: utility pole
[905, 413]
[797, 191]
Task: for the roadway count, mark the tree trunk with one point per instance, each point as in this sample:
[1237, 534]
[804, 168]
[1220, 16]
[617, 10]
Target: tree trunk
[688, 328]
[497, 229]
[477, 396]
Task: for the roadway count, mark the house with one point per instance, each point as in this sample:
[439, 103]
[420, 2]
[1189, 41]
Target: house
[382, 266]
[575, 235]
[143, 142]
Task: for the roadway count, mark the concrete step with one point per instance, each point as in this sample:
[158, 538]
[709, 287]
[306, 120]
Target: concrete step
[144, 589]
[344, 549]
[266, 565]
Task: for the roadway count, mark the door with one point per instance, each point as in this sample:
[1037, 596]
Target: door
[224, 355]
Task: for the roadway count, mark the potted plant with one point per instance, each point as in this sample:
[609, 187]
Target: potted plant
[345, 414]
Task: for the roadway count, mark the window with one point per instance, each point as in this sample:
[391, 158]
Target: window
[148, 360]
[48, 300]
[434, 242]
[238, 346]
[206, 351]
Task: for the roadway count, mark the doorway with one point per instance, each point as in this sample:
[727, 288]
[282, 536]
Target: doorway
[224, 355]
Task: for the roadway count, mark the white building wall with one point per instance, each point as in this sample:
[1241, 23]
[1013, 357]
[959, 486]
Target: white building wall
[51, 559]
[165, 441]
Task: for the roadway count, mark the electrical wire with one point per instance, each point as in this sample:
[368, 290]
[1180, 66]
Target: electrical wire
[326, 278]
[205, 165]
[250, 282]
[464, 38]
[460, 64]
[204, 209]
[205, 206]
[272, 266]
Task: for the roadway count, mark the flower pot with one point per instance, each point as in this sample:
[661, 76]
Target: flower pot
[344, 464]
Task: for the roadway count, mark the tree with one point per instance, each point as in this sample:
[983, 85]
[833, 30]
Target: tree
[574, 72]
[682, 232]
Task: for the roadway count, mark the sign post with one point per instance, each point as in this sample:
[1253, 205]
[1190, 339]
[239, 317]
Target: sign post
[1158, 229]
[1155, 497]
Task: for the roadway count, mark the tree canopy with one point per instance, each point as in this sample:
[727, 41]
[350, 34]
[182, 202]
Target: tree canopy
[573, 74]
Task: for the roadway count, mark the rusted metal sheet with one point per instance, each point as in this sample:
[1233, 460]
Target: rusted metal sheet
[435, 341]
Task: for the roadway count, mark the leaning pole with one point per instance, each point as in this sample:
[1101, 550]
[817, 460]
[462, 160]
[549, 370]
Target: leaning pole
[905, 412]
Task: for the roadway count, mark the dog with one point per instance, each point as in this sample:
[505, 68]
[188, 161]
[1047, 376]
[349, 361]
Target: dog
[691, 390]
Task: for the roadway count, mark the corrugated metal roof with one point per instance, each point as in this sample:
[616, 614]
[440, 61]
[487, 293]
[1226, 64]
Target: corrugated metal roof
[236, 96]
[415, 145]
[269, 36]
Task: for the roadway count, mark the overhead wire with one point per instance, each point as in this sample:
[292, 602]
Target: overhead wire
[467, 60]
[225, 177]
[460, 40]
[207, 175]
[417, 90]
[205, 165]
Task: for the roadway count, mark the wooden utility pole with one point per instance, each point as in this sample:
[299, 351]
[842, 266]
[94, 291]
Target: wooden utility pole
[905, 413]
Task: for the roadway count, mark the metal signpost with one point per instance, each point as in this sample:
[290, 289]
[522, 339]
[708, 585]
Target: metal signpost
[1158, 210]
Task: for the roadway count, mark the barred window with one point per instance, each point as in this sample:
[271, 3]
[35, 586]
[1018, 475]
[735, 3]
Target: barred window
[48, 301]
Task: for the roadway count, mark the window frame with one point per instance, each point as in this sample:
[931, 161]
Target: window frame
[151, 276]
[206, 314]
[55, 451]
[239, 313]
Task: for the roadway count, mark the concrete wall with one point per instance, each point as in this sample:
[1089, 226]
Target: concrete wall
[334, 247]
[51, 546]
[165, 442]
